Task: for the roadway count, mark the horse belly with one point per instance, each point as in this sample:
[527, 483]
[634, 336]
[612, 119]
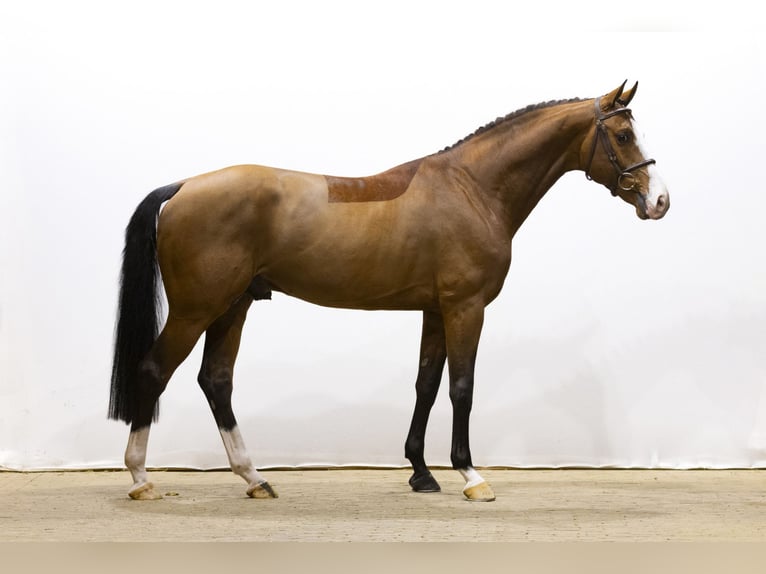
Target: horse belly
[352, 255]
[351, 274]
[353, 291]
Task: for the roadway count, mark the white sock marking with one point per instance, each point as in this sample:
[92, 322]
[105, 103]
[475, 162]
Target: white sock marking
[472, 478]
[135, 456]
[238, 458]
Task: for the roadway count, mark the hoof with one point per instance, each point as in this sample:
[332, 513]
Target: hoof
[145, 492]
[481, 492]
[424, 483]
[262, 490]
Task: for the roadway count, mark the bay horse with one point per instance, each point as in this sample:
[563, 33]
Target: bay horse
[432, 235]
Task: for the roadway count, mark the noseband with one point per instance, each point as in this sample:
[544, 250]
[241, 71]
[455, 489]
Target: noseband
[625, 178]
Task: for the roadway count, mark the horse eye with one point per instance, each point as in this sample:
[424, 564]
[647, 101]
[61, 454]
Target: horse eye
[623, 138]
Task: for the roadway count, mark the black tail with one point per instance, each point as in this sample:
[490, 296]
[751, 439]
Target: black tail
[138, 308]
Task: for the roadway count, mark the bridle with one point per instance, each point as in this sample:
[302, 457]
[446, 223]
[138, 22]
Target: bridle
[625, 178]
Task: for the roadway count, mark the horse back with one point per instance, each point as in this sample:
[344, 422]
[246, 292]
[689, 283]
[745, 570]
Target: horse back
[379, 242]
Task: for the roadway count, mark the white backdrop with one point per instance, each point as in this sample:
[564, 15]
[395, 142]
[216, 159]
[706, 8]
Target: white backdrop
[615, 341]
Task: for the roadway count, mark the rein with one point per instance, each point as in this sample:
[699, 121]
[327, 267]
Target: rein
[625, 178]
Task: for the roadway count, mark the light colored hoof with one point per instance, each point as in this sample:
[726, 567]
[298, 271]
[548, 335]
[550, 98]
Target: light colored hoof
[262, 490]
[145, 492]
[481, 492]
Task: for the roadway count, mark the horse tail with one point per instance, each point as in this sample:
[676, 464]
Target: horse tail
[139, 303]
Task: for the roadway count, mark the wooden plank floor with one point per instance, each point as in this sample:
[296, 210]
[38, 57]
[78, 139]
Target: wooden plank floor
[373, 505]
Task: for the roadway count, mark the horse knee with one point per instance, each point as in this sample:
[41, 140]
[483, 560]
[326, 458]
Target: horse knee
[427, 386]
[461, 393]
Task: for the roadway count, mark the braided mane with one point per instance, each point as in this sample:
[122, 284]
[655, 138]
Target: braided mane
[510, 117]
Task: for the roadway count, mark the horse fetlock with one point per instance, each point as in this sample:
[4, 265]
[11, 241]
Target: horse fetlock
[135, 454]
[413, 450]
[424, 482]
[244, 468]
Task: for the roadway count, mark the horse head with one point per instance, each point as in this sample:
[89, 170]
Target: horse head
[617, 158]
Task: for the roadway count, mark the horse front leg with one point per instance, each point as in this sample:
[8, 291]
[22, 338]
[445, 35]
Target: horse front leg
[463, 328]
[433, 353]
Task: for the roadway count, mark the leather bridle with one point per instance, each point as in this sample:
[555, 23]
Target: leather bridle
[625, 178]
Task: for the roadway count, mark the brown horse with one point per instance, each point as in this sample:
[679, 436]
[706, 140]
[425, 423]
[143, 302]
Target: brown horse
[432, 235]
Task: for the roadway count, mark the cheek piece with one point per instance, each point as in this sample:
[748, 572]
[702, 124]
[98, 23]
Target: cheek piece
[625, 178]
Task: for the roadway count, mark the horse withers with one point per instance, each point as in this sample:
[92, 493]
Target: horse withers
[432, 235]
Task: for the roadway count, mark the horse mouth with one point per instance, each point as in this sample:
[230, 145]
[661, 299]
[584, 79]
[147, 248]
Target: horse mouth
[659, 211]
[654, 212]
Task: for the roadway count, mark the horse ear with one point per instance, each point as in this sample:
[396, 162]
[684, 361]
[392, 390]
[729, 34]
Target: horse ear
[626, 97]
[612, 99]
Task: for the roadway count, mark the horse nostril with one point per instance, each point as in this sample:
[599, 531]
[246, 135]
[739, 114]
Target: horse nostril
[662, 202]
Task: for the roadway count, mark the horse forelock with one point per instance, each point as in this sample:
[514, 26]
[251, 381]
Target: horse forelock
[510, 117]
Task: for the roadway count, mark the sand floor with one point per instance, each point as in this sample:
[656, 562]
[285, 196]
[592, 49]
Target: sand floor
[372, 505]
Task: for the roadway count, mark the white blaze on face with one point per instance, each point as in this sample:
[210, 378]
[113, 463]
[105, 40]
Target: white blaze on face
[657, 197]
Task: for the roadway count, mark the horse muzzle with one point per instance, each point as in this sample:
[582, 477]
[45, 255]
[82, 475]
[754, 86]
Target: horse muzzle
[653, 206]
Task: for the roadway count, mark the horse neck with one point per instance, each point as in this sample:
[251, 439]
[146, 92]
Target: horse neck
[515, 163]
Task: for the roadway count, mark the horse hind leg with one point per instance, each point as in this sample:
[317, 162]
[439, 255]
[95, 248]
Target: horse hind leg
[173, 345]
[216, 380]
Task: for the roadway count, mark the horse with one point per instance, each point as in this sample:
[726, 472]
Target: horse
[432, 235]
